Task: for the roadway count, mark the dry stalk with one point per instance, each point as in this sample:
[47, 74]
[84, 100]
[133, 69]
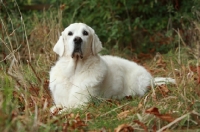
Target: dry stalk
[34, 71]
[13, 71]
[179, 36]
[27, 42]
[177, 120]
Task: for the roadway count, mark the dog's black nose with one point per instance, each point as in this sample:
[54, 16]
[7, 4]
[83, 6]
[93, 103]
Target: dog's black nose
[77, 40]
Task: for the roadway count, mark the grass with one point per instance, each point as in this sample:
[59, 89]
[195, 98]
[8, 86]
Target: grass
[25, 99]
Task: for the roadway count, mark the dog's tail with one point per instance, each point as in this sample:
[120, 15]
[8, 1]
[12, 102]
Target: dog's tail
[163, 80]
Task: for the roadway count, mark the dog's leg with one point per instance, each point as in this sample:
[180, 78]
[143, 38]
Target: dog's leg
[56, 109]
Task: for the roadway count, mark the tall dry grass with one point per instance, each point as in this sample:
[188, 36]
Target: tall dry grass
[26, 57]
[25, 99]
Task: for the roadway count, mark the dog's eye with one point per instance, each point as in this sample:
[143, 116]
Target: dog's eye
[85, 32]
[70, 33]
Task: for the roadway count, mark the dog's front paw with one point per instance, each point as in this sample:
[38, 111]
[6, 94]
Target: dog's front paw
[56, 109]
[63, 110]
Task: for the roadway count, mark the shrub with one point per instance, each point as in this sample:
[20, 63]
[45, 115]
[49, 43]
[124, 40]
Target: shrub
[141, 25]
[137, 25]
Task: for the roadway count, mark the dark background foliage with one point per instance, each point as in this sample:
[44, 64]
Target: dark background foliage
[125, 25]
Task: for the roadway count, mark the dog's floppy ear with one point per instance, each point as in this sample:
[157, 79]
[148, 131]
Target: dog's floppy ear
[59, 47]
[96, 44]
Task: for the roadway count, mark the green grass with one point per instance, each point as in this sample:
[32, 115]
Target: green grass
[26, 108]
[25, 99]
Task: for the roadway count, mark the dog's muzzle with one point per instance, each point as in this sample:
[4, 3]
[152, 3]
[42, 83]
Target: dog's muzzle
[77, 48]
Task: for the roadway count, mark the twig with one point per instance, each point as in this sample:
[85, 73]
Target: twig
[10, 68]
[175, 121]
[34, 71]
[194, 112]
[179, 49]
[180, 37]
[5, 44]
[17, 76]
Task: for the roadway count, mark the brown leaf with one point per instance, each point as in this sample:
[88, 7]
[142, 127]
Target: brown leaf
[145, 56]
[123, 114]
[153, 110]
[64, 126]
[198, 72]
[164, 90]
[124, 128]
[154, 128]
[159, 61]
[142, 125]
[166, 117]
[70, 116]
[78, 123]
[140, 105]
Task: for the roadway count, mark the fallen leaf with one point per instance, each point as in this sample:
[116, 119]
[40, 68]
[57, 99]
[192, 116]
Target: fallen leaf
[123, 114]
[198, 72]
[142, 125]
[78, 123]
[153, 110]
[145, 56]
[159, 60]
[140, 105]
[163, 89]
[166, 117]
[154, 128]
[64, 126]
[71, 115]
[124, 128]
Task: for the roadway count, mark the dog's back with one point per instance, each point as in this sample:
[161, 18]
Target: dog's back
[124, 78]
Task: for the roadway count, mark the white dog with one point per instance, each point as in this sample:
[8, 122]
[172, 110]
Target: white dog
[81, 73]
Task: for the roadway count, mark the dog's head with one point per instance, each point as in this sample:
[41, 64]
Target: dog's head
[78, 41]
